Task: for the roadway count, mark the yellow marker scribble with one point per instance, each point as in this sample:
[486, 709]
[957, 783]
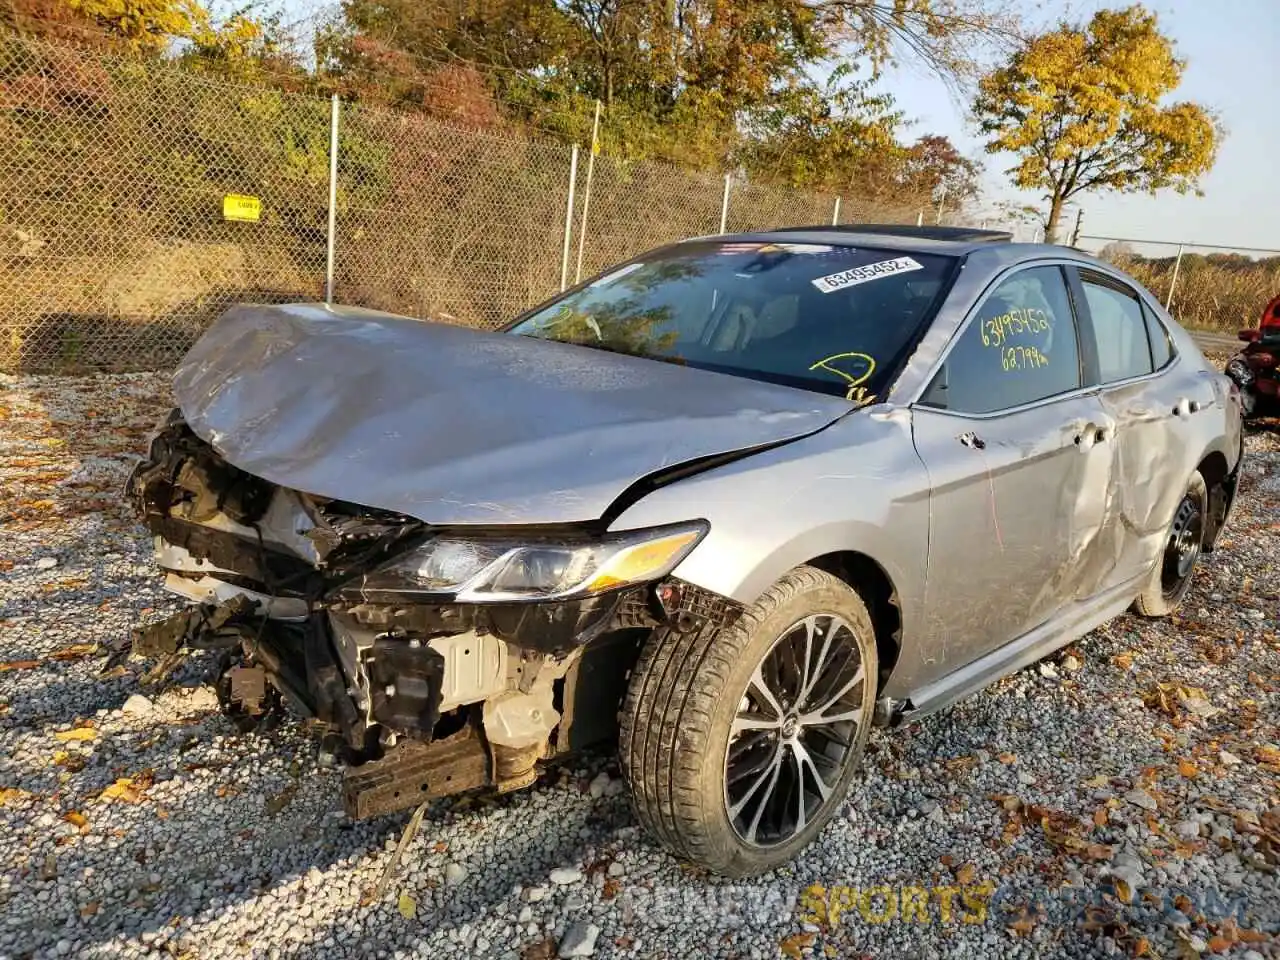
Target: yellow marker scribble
[855, 390]
[997, 330]
[1022, 358]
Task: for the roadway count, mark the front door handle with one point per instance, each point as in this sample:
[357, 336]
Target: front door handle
[1093, 433]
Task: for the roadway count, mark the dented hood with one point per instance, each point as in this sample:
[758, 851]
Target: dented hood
[458, 426]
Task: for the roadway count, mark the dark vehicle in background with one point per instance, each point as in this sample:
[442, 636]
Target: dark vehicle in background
[1256, 368]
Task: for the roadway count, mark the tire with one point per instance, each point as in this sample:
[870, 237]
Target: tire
[687, 703]
[1171, 575]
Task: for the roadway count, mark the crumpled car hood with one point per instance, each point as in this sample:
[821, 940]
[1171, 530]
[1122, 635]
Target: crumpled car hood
[458, 426]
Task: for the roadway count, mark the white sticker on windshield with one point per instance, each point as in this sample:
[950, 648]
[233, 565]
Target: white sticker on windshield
[872, 271]
[618, 274]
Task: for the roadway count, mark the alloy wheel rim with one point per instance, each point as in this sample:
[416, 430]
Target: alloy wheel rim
[794, 730]
[1183, 547]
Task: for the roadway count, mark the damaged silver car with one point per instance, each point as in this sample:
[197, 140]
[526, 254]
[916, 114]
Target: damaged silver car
[727, 506]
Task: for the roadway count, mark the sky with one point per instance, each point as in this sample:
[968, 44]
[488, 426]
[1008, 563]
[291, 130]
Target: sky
[1232, 49]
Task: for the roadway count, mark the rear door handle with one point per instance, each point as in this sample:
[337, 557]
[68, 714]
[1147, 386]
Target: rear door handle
[1186, 406]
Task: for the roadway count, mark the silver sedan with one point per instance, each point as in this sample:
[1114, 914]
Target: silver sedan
[726, 505]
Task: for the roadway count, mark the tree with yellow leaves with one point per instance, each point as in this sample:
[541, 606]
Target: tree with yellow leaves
[142, 24]
[1082, 108]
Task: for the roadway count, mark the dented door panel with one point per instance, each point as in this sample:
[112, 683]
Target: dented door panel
[1153, 456]
[1017, 521]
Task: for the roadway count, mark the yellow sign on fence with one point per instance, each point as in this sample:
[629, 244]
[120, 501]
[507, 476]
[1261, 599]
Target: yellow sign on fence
[236, 206]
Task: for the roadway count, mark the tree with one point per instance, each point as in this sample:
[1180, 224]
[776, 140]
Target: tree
[142, 24]
[822, 136]
[1117, 251]
[1082, 108]
[695, 81]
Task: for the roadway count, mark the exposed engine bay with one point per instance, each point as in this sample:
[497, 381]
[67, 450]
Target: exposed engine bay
[419, 696]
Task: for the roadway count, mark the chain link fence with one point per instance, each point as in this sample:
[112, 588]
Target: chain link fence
[138, 199]
[1205, 286]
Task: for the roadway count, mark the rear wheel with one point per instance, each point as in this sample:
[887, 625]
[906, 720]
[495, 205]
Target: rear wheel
[740, 744]
[1171, 575]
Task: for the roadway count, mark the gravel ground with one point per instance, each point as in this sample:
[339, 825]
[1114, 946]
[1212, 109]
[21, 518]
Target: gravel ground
[1122, 799]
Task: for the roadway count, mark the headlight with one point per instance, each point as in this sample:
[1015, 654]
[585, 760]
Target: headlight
[494, 571]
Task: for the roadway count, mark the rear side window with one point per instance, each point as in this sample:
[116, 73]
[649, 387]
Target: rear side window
[1020, 347]
[1119, 330]
[1158, 337]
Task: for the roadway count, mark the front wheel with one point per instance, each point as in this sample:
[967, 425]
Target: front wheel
[739, 744]
[1171, 575]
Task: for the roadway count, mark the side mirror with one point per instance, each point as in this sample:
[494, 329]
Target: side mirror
[1249, 336]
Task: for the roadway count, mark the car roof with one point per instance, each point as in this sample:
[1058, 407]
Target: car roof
[955, 241]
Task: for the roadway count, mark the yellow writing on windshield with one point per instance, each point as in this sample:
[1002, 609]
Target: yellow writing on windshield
[864, 366]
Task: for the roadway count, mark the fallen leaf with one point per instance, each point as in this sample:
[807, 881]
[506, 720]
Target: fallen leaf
[1245, 935]
[76, 819]
[12, 795]
[1100, 817]
[1008, 758]
[127, 790]
[74, 652]
[407, 906]
[1220, 944]
[1022, 926]
[89, 909]
[965, 874]
[1188, 768]
[1123, 660]
[1142, 948]
[282, 799]
[611, 888]
[794, 945]
[19, 665]
[542, 950]
[1101, 780]
[1267, 755]
[79, 733]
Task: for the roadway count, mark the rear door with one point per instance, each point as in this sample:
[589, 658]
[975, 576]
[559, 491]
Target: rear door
[1018, 458]
[1152, 399]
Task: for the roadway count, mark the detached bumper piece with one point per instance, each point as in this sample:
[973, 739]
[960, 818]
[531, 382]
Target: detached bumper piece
[417, 699]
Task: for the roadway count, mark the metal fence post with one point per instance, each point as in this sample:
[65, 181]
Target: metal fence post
[835, 213]
[568, 219]
[724, 204]
[333, 199]
[586, 194]
[1173, 281]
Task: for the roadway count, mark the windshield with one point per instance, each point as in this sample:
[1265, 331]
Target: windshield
[835, 319]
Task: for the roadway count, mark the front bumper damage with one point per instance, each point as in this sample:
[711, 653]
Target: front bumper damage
[417, 699]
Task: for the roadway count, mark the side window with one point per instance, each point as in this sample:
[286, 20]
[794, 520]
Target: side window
[1119, 331]
[1158, 336]
[1020, 347]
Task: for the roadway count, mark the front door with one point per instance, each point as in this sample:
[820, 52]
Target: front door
[1019, 468]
